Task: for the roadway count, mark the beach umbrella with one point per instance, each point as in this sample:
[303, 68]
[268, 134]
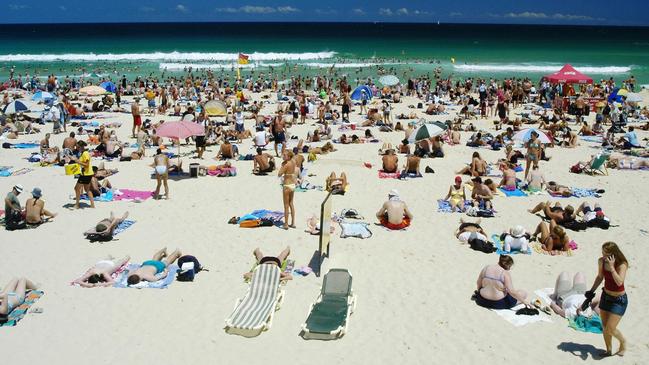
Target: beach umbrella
[109, 86]
[16, 106]
[427, 130]
[92, 90]
[356, 94]
[526, 134]
[389, 80]
[633, 98]
[216, 108]
[42, 96]
[180, 130]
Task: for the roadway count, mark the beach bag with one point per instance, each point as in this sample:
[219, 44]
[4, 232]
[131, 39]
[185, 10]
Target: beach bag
[14, 221]
[481, 245]
[574, 225]
[576, 169]
[189, 267]
[252, 223]
[73, 169]
[599, 223]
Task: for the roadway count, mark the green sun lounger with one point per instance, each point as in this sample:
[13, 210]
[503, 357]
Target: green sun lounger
[328, 317]
[253, 314]
[598, 165]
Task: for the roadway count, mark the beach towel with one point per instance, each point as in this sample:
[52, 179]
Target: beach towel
[586, 324]
[388, 175]
[537, 247]
[20, 311]
[276, 217]
[354, 229]
[510, 193]
[593, 139]
[500, 247]
[444, 206]
[121, 281]
[114, 275]
[306, 186]
[104, 197]
[122, 227]
[128, 194]
[225, 172]
[25, 145]
[520, 320]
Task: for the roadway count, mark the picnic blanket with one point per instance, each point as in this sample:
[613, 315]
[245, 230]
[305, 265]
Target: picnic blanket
[444, 206]
[20, 311]
[121, 281]
[354, 229]
[500, 247]
[128, 194]
[20, 145]
[123, 226]
[520, 320]
[510, 193]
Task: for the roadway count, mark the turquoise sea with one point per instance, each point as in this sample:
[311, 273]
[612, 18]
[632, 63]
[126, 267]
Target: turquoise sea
[354, 49]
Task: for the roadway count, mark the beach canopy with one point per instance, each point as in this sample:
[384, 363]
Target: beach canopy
[42, 96]
[568, 75]
[428, 130]
[92, 90]
[215, 108]
[16, 106]
[526, 134]
[389, 80]
[109, 86]
[356, 94]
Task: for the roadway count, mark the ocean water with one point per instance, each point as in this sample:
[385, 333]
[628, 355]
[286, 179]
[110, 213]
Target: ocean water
[354, 49]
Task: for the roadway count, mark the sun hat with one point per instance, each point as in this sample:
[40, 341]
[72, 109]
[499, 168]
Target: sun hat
[393, 192]
[37, 193]
[19, 188]
[517, 232]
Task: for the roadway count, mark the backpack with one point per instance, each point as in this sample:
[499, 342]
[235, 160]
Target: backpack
[599, 223]
[575, 225]
[480, 245]
[576, 169]
[14, 221]
[189, 267]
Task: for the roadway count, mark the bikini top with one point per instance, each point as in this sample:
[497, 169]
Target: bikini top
[499, 279]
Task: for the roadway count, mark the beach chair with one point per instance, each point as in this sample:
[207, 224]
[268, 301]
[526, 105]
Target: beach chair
[328, 317]
[598, 165]
[253, 314]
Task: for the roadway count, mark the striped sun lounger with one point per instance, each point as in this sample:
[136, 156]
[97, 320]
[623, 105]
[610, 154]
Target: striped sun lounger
[254, 313]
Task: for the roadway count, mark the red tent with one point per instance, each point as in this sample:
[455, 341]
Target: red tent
[568, 75]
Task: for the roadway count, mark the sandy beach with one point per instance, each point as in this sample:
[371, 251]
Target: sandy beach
[413, 286]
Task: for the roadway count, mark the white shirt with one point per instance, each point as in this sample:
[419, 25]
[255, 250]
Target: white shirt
[260, 138]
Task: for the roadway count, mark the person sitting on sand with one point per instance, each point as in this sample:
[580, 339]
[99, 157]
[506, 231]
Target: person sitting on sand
[481, 195]
[508, 182]
[555, 213]
[535, 180]
[477, 167]
[586, 130]
[553, 238]
[456, 195]
[404, 147]
[271, 260]
[470, 230]
[390, 161]
[154, 269]
[336, 185]
[569, 294]
[516, 239]
[394, 213]
[101, 274]
[227, 151]
[35, 212]
[13, 295]
[495, 287]
[99, 187]
[411, 166]
[263, 163]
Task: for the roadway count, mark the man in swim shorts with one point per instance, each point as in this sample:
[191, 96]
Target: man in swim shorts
[154, 269]
[137, 118]
[278, 132]
[394, 213]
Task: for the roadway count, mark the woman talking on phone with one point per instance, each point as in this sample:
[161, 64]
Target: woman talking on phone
[612, 267]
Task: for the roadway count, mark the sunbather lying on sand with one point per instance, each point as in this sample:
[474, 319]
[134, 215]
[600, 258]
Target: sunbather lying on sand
[468, 230]
[628, 163]
[271, 260]
[101, 273]
[569, 295]
[556, 213]
[13, 295]
[336, 185]
[107, 225]
[154, 269]
[553, 238]
[557, 189]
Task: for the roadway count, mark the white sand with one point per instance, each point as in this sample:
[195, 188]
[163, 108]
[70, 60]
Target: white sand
[413, 286]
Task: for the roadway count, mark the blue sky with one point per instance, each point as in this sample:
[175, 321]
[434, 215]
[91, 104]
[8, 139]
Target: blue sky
[591, 12]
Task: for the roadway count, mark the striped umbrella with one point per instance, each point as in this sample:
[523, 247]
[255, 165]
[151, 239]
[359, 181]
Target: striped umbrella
[526, 134]
[42, 96]
[16, 106]
[426, 131]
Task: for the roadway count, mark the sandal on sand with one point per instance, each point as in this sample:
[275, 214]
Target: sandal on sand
[36, 310]
[544, 308]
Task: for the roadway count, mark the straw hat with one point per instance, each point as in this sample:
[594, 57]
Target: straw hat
[517, 232]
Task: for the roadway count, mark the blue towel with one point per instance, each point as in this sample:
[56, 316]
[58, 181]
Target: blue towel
[104, 197]
[123, 226]
[120, 282]
[443, 206]
[355, 229]
[584, 193]
[518, 168]
[585, 324]
[517, 192]
[26, 145]
[594, 139]
[500, 247]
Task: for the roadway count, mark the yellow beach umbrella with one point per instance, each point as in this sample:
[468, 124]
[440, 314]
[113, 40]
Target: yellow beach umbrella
[92, 90]
[215, 108]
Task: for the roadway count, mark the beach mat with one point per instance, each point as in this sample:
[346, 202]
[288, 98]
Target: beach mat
[20, 311]
[121, 281]
[444, 206]
[128, 194]
[388, 175]
[510, 316]
[500, 245]
[124, 225]
[510, 193]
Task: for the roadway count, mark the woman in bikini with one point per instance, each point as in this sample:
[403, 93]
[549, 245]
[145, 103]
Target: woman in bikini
[271, 260]
[101, 274]
[456, 195]
[13, 295]
[612, 268]
[495, 287]
[478, 166]
[533, 152]
[289, 180]
[161, 166]
[553, 237]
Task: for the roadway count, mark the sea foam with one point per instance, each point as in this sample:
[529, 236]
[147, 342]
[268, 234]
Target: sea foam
[165, 56]
[540, 68]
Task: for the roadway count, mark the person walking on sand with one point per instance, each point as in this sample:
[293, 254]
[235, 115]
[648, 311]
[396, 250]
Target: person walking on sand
[137, 118]
[83, 183]
[161, 166]
[611, 269]
[288, 174]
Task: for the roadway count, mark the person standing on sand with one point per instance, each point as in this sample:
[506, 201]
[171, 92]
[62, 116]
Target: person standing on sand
[83, 183]
[278, 132]
[288, 173]
[161, 166]
[611, 269]
[137, 118]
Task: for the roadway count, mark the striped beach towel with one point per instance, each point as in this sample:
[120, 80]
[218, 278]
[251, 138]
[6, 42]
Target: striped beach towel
[255, 310]
[20, 311]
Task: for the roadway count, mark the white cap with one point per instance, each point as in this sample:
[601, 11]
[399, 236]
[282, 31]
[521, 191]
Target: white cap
[19, 188]
[393, 192]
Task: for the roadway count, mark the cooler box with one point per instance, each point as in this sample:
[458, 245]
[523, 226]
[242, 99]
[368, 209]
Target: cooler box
[193, 170]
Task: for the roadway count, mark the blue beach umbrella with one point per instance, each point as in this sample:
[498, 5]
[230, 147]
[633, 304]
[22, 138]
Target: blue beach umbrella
[526, 134]
[42, 96]
[356, 95]
[109, 86]
[16, 106]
